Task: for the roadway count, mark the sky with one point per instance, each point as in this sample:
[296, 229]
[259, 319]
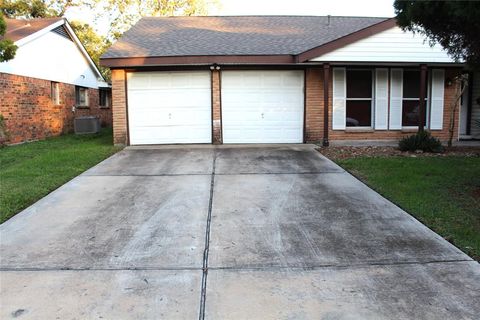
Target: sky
[366, 8]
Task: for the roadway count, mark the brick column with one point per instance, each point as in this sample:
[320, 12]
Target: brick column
[119, 107]
[313, 105]
[216, 107]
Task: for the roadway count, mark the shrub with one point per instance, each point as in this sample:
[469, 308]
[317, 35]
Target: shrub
[422, 140]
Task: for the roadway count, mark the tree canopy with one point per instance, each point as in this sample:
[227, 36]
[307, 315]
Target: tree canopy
[453, 24]
[7, 47]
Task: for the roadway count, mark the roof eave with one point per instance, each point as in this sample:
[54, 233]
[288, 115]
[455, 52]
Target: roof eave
[197, 60]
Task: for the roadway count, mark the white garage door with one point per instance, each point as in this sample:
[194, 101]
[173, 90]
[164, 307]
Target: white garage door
[169, 107]
[262, 106]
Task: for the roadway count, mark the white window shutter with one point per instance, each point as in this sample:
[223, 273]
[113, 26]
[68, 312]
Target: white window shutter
[436, 105]
[381, 99]
[396, 96]
[339, 99]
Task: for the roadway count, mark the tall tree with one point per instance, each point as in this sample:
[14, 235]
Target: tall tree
[122, 14]
[29, 9]
[7, 47]
[453, 24]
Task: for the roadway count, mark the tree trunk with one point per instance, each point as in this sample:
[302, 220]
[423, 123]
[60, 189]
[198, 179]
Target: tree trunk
[451, 129]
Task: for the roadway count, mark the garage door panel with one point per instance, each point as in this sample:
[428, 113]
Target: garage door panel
[169, 107]
[262, 106]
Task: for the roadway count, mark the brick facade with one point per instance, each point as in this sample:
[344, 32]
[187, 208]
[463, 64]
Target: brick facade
[314, 111]
[30, 114]
[119, 107]
[216, 107]
[314, 105]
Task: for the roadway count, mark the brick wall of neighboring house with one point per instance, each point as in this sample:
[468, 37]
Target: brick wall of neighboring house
[216, 109]
[119, 107]
[30, 114]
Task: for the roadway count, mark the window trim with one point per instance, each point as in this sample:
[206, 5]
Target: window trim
[107, 99]
[371, 99]
[55, 89]
[77, 91]
[427, 100]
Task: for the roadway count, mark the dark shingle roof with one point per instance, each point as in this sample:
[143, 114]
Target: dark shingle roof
[233, 35]
[18, 28]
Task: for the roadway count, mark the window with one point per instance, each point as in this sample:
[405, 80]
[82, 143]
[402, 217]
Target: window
[359, 98]
[411, 99]
[81, 96]
[104, 98]
[55, 92]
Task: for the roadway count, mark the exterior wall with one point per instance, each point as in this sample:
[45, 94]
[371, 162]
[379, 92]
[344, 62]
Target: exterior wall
[119, 107]
[393, 45]
[52, 57]
[314, 110]
[314, 105]
[449, 98]
[30, 114]
[216, 107]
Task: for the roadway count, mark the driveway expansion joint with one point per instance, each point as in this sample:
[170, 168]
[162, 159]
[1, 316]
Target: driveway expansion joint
[203, 291]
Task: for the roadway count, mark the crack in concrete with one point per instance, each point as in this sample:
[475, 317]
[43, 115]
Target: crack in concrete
[203, 291]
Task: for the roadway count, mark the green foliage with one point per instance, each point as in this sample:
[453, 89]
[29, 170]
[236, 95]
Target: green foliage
[453, 24]
[7, 47]
[442, 192]
[422, 140]
[30, 171]
[125, 13]
[29, 9]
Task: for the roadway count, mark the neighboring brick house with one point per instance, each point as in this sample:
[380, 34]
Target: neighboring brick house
[51, 80]
[278, 79]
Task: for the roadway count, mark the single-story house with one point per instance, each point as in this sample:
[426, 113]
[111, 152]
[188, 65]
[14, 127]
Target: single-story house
[278, 79]
[50, 81]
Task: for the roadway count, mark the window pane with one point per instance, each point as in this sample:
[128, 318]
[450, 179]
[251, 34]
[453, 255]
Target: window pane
[411, 84]
[359, 113]
[410, 113]
[359, 83]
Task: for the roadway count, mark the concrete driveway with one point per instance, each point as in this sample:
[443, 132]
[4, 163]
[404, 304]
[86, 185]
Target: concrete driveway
[263, 232]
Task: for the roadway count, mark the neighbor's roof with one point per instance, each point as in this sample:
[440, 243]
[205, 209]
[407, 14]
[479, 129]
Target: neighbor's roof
[18, 29]
[233, 35]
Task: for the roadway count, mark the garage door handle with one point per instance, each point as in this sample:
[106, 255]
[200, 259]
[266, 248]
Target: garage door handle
[169, 116]
[262, 115]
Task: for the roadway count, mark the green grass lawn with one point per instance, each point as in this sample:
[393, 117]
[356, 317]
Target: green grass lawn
[32, 170]
[441, 192]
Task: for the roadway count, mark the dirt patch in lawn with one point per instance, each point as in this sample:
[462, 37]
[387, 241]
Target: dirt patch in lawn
[339, 153]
